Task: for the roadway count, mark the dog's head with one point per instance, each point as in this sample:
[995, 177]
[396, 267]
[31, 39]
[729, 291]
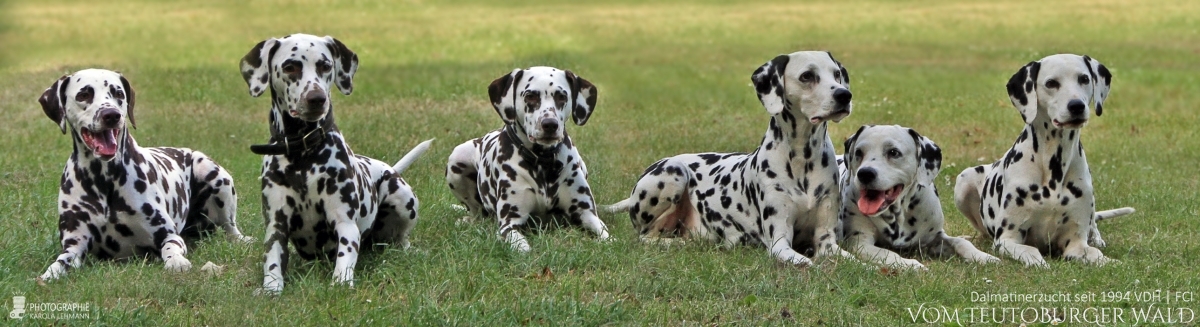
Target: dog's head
[812, 79]
[300, 69]
[1059, 88]
[885, 162]
[94, 104]
[537, 100]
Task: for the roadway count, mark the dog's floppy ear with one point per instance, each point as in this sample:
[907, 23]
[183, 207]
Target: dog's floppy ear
[256, 66]
[129, 100]
[584, 95]
[847, 152]
[1022, 90]
[1101, 80]
[929, 157]
[845, 74]
[53, 102]
[768, 83]
[345, 64]
[503, 91]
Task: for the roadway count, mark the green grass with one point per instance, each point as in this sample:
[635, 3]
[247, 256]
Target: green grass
[672, 78]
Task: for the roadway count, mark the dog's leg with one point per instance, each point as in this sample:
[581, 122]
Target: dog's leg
[967, 196]
[513, 213]
[347, 248]
[1094, 237]
[777, 237]
[74, 244]
[1075, 242]
[825, 234]
[463, 179]
[1008, 245]
[579, 204]
[220, 202]
[593, 223]
[967, 250]
[884, 257]
[275, 216]
[174, 249]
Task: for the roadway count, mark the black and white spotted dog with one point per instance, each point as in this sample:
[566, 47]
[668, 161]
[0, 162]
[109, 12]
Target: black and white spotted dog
[118, 200]
[889, 200]
[316, 192]
[784, 195]
[1038, 199]
[529, 169]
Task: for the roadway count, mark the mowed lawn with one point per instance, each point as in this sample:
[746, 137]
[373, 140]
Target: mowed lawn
[672, 78]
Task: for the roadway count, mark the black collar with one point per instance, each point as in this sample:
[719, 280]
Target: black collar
[299, 143]
[538, 154]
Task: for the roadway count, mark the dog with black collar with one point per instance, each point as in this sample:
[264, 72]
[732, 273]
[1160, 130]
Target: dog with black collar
[317, 194]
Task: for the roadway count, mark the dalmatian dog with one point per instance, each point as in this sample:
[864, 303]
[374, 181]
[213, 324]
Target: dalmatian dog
[783, 196]
[118, 200]
[529, 170]
[1038, 199]
[316, 193]
[889, 200]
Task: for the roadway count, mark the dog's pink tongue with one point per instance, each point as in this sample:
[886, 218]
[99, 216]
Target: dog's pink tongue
[869, 206]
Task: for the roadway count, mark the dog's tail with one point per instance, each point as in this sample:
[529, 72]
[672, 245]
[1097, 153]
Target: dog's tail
[411, 156]
[1114, 213]
[622, 206]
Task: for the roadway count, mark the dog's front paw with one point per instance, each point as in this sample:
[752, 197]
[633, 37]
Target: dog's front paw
[1036, 262]
[517, 241]
[798, 260]
[983, 259]
[269, 290]
[178, 264]
[603, 236]
[910, 264]
[56, 270]
[339, 281]
[1096, 241]
[243, 239]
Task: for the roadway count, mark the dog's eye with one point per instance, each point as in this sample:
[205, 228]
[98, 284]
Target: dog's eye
[560, 99]
[84, 95]
[290, 69]
[1052, 84]
[808, 77]
[837, 75]
[323, 67]
[117, 94]
[1084, 80]
[858, 154]
[893, 153]
[532, 98]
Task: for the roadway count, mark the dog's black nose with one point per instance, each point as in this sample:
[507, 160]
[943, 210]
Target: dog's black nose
[866, 175]
[315, 99]
[842, 96]
[110, 117]
[1076, 107]
[549, 125]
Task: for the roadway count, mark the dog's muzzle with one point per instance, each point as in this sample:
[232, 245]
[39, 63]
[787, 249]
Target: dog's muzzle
[1078, 115]
[103, 140]
[314, 106]
[871, 202]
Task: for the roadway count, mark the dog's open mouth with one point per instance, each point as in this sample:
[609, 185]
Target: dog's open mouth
[1070, 123]
[103, 143]
[871, 201]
